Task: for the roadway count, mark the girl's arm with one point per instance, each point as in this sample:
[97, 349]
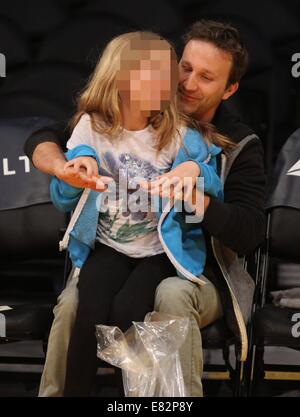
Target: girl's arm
[63, 195]
[83, 166]
[196, 150]
[193, 160]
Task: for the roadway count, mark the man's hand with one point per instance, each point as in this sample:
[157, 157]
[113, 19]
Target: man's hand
[81, 172]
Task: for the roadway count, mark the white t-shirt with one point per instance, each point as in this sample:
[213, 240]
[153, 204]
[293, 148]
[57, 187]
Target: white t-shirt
[131, 155]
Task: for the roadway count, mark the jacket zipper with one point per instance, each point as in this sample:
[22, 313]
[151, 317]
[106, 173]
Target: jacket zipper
[177, 265]
[63, 244]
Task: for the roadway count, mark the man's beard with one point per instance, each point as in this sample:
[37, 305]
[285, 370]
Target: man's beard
[190, 109]
[187, 107]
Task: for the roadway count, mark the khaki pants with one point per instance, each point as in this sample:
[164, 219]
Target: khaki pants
[173, 296]
[202, 305]
[54, 372]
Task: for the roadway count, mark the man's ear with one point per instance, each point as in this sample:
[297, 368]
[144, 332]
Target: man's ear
[230, 90]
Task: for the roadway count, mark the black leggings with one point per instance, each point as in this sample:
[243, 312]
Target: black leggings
[114, 289]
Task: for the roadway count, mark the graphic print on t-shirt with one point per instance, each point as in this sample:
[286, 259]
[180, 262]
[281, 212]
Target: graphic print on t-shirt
[117, 222]
[131, 153]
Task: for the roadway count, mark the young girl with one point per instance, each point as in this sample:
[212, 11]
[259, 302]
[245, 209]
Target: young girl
[127, 127]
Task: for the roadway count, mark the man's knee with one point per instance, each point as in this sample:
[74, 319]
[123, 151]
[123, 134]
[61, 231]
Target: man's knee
[185, 298]
[174, 295]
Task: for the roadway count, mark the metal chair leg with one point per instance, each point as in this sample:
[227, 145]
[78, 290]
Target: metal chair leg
[258, 370]
[235, 373]
[238, 378]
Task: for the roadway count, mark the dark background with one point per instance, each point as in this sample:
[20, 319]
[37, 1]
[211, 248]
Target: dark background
[51, 47]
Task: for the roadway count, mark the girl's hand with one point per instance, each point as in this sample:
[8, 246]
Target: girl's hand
[82, 172]
[89, 165]
[178, 184]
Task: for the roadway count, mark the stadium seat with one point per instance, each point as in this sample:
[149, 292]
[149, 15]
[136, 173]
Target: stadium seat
[27, 105]
[218, 336]
[33, 16]
[297, 106]
[69, 4]
[81, 40]
[31, 267]
[57, 82]
[151, 16]
[270, 16]
[13, 44]
[272, 323]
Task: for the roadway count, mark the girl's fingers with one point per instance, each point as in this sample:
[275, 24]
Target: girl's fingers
[89, 169]
[88, 166]
[100, 186]
[155, 191]
[89, 182]
[69, 164]
[163, 184]
[178, 196]
[102, 182]
[144, 184]
[106, 180]
[170, 183]
[79, 164]
[157, 182]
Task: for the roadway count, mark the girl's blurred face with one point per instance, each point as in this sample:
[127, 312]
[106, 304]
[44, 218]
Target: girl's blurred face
[150, 82]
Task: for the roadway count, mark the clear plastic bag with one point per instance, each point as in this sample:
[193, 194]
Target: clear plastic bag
[147, 354]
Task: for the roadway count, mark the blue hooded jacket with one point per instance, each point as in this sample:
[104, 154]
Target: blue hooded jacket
[183, 242]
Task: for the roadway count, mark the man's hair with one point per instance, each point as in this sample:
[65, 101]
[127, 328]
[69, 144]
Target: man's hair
[224, 36]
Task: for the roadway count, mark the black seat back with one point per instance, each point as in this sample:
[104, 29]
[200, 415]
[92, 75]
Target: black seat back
[31, 267]
[283, 202]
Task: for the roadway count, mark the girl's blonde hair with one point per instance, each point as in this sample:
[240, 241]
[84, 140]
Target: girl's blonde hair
[101, 100]
[210, 134]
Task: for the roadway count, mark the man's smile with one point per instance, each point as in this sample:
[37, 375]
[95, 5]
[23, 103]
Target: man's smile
[187, 97]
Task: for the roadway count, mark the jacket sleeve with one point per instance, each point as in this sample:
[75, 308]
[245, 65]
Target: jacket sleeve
[212, 184]
[239, 221]
[57, 133]
[64, 196]
[195, 149]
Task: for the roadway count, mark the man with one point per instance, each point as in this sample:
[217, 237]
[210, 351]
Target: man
[211, 66]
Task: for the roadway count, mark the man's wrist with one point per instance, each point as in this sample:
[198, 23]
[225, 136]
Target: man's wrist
[58, 166]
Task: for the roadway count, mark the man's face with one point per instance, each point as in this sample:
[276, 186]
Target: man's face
[203, 75]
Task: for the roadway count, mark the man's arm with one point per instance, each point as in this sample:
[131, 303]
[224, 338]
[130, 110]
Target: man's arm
[239, 222]
[48, 157]
[45, 146]
[45, 150]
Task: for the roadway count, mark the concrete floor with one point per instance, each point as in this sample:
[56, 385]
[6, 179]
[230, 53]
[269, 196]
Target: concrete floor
[19, 380]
